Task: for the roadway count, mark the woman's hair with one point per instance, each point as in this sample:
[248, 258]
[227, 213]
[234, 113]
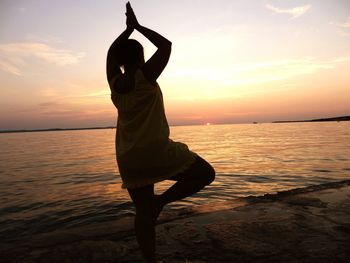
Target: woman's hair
[130, 53]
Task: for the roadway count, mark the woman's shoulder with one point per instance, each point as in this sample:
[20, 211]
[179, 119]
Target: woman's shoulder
[142, 80]
[131, 81]
[125, 83]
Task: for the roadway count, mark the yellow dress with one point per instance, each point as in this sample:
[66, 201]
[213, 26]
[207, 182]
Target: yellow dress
[145, 154]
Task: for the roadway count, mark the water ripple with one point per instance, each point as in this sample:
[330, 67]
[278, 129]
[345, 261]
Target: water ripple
[55, 180]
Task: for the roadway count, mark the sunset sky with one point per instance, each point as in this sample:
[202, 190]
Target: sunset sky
[232, 61]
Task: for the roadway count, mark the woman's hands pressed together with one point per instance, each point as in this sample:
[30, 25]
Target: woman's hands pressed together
[131, 20]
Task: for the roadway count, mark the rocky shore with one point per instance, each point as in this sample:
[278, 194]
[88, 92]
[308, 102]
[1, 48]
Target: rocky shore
[303, 225]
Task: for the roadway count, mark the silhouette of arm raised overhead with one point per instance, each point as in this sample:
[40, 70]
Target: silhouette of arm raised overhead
[156, 64]
[113, 65]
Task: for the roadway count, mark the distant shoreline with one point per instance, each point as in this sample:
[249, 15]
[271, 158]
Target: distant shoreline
[58, 129]
[340, 118]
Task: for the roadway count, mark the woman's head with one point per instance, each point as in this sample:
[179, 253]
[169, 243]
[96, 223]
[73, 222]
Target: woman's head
[130, 54]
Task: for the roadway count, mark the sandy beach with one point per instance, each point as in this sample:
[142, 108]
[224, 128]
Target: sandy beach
[302, 225]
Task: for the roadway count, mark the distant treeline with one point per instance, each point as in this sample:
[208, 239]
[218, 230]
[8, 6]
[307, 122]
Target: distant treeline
[58, 129]
[341, 118]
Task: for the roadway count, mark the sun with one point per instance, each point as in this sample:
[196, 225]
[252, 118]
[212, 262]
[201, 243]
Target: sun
[208, 124]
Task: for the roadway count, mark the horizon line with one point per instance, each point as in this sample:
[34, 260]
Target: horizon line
[338, 119]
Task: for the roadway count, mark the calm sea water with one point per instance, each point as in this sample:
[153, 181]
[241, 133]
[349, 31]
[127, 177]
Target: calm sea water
[63, 179]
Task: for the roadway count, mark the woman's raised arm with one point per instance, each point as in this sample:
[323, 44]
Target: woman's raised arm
[113, 65]
[156, 64]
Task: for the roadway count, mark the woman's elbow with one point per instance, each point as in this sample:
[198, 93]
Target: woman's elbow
[167, 44]
[168, 47]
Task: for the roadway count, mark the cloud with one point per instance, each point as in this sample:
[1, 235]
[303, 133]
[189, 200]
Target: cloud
[294, 12]
[7, 66]
[343, 33]
[22, 9]
[249, 74]
[47, 104]
[258, 72]
[342, 28]
[49, 92]
[48, 39]
[15, 55]
[345, 24]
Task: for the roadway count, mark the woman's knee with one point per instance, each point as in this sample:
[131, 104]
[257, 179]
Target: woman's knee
[210, 174]
[206, 172]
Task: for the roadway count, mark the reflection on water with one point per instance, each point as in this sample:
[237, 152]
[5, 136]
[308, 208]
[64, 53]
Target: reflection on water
[62, 179]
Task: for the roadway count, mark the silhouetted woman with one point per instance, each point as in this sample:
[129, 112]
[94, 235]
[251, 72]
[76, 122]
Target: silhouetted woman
[145, 154]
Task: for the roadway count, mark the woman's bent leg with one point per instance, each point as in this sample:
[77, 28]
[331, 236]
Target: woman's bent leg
[194, 179]
[143, 199]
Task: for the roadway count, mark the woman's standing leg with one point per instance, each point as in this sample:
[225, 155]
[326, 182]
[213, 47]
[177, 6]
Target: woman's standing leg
[143, 199]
